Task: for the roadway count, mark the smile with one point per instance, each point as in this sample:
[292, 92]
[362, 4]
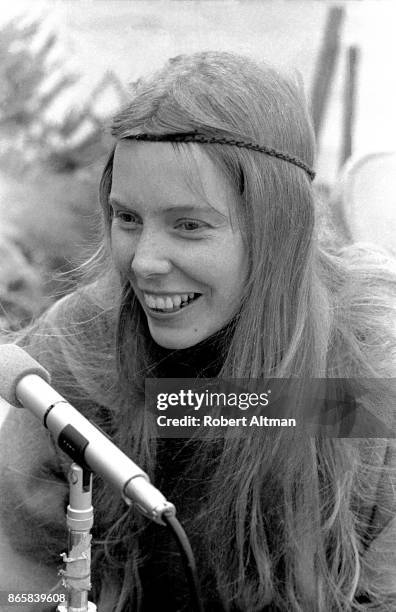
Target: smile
[169, 303]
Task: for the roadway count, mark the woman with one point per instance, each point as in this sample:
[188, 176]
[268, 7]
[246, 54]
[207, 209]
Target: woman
[211, 266]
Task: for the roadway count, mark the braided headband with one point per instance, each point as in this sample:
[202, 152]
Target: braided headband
[245, 144]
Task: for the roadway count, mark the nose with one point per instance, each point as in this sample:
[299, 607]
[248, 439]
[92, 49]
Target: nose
[151, 256]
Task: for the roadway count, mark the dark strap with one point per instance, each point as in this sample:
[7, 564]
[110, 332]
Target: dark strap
[225, 140]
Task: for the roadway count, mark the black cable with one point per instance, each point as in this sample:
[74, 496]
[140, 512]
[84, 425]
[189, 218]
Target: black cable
[188, 560]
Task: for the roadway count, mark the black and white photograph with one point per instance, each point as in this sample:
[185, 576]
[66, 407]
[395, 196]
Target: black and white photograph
[197, 306]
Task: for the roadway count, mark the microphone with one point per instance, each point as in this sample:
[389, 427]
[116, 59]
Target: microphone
[23, 381]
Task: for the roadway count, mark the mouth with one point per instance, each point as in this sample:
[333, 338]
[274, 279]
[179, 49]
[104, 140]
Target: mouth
[168, 304]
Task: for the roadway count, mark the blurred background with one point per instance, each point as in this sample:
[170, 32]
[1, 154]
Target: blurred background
[66, 66]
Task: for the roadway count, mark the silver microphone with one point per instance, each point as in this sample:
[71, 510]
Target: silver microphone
[23, 381]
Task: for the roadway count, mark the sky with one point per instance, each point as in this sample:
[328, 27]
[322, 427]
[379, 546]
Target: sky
[135, 37]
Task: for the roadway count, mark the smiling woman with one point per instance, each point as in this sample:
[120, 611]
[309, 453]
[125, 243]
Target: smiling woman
[184, 260]
[211, 266]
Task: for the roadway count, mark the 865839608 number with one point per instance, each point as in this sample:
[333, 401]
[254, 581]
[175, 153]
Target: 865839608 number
[27, 598]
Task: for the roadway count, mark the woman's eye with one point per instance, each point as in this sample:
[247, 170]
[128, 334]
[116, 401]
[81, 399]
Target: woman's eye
[126, 218]
[191, 225]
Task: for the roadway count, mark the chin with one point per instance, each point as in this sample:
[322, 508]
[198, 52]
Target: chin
[175, 341]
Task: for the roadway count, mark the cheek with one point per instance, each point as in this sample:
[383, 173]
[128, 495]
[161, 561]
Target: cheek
[233, 271]
[121, 250]
[226, 278]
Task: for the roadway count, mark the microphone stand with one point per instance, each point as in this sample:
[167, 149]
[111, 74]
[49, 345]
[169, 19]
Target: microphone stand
[76, 577]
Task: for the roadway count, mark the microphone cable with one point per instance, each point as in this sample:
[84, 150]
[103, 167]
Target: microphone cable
[188, 559]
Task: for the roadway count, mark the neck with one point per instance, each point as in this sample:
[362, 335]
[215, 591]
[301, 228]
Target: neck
[203, 360]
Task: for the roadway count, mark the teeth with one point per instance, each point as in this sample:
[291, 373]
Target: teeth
[167, 302]
[150, 300]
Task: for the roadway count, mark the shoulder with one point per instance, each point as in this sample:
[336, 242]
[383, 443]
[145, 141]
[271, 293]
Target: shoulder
[79, 323]
[74, 340]
[378, 561]
[377, 479]
[91, 303]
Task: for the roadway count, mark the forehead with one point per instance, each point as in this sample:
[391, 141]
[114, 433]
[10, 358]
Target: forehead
[161, 172]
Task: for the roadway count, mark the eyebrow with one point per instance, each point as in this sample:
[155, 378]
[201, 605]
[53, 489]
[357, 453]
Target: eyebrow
[174, 207]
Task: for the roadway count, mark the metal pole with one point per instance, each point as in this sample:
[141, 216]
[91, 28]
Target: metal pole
[349, 109]
[76, 576]
[325, 66]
